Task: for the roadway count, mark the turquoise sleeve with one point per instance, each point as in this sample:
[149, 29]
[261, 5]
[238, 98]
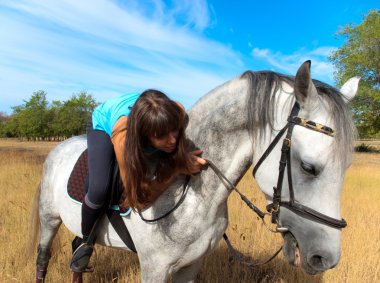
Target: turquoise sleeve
[106, 114]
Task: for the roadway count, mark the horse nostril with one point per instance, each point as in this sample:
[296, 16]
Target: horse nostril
[316, 261]
[321, 263]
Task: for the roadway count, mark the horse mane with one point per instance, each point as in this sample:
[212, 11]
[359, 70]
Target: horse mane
[262, 89]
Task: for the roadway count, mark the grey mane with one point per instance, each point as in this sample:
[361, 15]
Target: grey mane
[262, 88]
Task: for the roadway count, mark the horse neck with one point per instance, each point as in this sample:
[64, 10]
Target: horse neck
[218, 125]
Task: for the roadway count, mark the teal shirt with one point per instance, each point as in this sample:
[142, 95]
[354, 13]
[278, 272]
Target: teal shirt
[106, 114]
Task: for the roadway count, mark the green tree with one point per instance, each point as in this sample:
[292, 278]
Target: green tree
[29, 120]
[360, 56]
[3, 125]
[11, 126]
[33, 118]
[36, 118]
[75, 112]
[54, 128]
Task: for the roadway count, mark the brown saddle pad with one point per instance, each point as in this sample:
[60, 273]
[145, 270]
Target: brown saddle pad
[76, 188]
[77, 185]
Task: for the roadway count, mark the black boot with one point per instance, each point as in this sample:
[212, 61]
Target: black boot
[82, 254]
[81, 258]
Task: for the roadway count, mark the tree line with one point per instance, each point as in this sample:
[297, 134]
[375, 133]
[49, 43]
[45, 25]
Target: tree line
[360, 56]
[37, 119]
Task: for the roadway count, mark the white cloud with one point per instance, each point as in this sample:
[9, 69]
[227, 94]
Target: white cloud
[321, 68]
[194, 13]
[189, 13]
[109, 48]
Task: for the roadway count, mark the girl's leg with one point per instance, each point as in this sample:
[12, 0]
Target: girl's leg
[101, 158]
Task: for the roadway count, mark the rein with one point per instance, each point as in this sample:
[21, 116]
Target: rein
[259, 213]
[184, 192]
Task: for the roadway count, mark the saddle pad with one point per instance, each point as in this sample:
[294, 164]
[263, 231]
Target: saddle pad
[76, 187]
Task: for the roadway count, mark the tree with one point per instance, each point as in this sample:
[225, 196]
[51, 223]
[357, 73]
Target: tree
[360, 56]
[75, 112]
[54, 126]
[37, 118]
[3, 125]
[31, 117]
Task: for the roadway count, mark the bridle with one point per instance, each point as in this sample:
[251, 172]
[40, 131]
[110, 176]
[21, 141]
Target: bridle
[274, 207]
[285, 159]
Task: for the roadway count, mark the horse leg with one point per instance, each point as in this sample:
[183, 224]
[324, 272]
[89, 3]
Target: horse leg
[159, 273]
[187, 273]
[77, 276]
[154, 272]
[49, 228]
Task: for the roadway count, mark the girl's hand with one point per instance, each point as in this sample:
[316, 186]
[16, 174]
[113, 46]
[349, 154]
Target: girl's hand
[197, 162]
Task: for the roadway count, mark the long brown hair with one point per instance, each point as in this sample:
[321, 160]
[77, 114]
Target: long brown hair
[153, 114]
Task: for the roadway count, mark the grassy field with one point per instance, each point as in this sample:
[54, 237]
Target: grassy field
[20, 170]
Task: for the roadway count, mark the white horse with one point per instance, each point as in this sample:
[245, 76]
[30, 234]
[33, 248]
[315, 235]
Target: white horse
[233, 124]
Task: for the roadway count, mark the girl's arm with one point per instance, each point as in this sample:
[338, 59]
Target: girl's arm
[119, 134]
[197, 164]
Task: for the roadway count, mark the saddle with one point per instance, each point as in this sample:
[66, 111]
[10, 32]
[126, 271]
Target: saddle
[77, 188]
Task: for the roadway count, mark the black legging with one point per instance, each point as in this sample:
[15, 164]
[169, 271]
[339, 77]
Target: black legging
[101, 160]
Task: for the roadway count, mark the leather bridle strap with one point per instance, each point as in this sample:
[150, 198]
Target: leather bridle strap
[291, 204]
[308, 212]
[285, 162]
[293, 113]
[269, 149]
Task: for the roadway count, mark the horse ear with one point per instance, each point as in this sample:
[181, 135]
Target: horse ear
[304, 89]
[350, 88]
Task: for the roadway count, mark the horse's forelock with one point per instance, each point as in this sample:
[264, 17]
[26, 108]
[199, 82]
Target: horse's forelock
[262, 88]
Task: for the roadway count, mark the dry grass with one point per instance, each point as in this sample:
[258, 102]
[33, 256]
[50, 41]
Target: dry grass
[20, 169]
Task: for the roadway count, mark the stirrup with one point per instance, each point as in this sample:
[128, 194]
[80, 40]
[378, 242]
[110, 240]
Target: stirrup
[81, 258]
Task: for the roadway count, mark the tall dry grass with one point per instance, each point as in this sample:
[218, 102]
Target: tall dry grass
[20, 170]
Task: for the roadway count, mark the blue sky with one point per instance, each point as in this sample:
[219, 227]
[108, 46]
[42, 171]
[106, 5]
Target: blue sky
[183, 47]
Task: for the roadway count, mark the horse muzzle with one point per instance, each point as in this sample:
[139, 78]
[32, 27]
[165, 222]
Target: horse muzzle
[313, 261]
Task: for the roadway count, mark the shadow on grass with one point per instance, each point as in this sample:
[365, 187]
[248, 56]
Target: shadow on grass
[115, 265]
[221, 267]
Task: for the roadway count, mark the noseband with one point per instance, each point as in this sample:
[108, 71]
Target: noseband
[304, 211]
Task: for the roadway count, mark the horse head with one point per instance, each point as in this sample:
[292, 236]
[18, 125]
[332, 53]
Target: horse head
[320, 152]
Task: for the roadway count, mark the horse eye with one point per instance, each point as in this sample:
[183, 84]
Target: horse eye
[308, 168]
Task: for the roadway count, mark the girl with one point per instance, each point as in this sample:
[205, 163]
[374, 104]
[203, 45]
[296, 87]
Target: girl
[146, 133]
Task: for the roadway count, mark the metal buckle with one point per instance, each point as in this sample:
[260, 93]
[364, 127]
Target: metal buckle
[274, 209]
[278, 229]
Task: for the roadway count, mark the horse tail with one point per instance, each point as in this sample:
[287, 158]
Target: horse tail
[34, 222]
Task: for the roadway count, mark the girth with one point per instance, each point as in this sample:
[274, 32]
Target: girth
[285, 163]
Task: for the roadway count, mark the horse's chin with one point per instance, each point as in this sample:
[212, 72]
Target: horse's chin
[293, 254]
[291, 250]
